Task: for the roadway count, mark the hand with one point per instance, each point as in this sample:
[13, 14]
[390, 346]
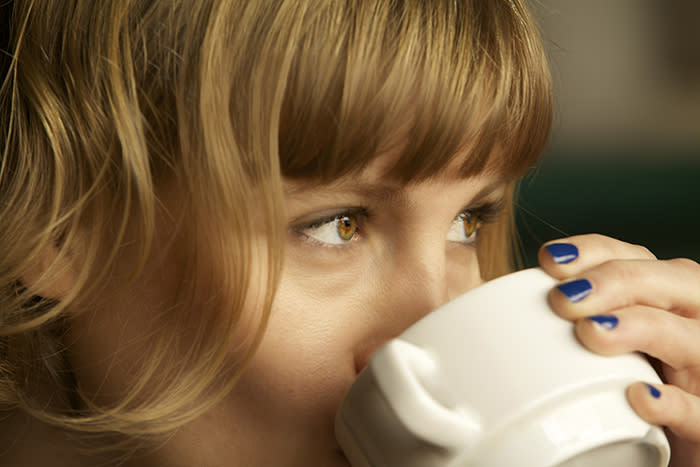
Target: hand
[623, 299]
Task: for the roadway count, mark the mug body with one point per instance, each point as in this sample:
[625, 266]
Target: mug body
[492, 379]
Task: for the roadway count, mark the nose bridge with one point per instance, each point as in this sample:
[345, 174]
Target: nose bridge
[420, 285]
[412, 284]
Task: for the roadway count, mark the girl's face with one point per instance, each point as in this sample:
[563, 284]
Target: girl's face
[365, 258]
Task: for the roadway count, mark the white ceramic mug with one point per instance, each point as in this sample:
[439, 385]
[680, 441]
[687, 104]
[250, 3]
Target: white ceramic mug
[495, 379]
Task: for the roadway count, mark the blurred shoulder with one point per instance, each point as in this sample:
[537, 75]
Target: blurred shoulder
[26, 442]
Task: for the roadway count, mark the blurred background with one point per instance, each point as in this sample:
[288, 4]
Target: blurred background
[624, 156]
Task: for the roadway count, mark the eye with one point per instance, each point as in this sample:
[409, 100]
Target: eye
[337, 230]
[464, 228]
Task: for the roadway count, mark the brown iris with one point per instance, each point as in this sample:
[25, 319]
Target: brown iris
[347, 227]
[471, 222]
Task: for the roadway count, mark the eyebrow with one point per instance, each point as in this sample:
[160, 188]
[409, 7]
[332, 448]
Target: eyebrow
[387, 192]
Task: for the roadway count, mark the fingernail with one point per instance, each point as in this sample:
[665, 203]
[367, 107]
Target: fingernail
[655, 393]
[606, 321]
[576, 290]
[562, 253]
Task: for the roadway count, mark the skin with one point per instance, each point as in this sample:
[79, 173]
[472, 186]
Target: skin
[336, 305]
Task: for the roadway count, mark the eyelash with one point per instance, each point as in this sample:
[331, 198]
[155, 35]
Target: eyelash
[360, 214]
[485, 214]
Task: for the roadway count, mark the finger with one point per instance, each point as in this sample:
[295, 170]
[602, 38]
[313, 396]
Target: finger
[571, 256]
[665, 336]
[667, 405]
[670, 285]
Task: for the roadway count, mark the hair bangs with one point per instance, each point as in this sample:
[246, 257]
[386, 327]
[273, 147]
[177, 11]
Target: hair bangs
[437, 84]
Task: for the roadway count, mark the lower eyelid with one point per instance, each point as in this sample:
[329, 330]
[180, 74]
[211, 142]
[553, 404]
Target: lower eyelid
[309, 241]
[300, 232]
[471, 240]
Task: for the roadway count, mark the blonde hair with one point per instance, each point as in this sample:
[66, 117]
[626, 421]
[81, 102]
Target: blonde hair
[108, 102]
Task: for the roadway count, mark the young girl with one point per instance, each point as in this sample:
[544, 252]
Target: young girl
[213, 212]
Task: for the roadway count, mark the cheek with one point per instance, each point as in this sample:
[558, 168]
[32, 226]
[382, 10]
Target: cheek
[462, 270]
[314, 315]
[304, 364]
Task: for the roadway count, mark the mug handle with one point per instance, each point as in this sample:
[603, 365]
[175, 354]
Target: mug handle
[398, 368]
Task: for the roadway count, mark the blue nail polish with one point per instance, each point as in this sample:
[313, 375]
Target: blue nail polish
[562, 253]
[655, 393]
[607, 321]
[576, 290]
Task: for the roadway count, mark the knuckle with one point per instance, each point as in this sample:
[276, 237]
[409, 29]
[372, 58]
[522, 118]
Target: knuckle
[598, 238]
[620, 276]
[648, 332]
[621, 270]
[686, 264]
[644, 252]
[682, 406]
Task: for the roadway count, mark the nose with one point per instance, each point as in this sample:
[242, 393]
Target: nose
[414, 282]
[419, 285]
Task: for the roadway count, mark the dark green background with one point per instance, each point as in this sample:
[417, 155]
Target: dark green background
[646, 198]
